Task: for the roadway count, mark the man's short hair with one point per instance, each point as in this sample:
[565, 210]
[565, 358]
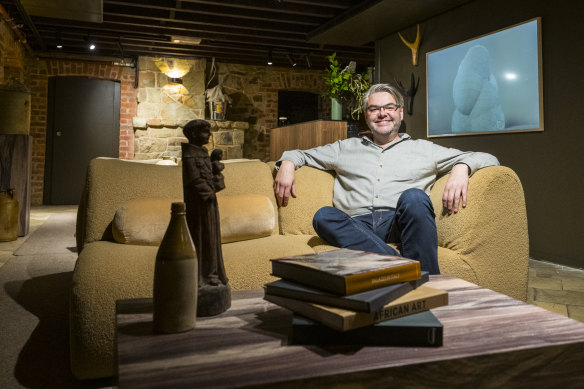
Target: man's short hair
[193, 127]
[377, 88]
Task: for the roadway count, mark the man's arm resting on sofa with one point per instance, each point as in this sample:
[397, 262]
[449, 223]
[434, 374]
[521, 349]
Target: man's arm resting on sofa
[285, 183]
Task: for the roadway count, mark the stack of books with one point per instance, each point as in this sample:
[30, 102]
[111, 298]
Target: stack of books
[349, 296]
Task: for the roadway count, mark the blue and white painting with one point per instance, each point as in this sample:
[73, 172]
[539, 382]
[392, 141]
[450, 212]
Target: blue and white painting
[488, 84]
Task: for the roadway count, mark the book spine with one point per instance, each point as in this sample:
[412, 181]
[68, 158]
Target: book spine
[344, 320]
[410, 308]
[418, 337]
[390, 312]
[305, 331]
[334, 301]
[362, 282]
[312, 311]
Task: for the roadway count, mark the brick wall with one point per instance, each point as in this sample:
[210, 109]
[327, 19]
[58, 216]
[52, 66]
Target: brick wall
[38, 75]
[12, 55]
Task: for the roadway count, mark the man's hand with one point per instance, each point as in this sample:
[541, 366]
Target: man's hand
[285, 183]
[455, 188]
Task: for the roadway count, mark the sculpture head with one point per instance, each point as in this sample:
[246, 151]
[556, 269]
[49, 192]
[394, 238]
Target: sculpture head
[216, 155]
[197, 132]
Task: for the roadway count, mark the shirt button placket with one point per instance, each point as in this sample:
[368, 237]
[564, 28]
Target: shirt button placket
[377, 185]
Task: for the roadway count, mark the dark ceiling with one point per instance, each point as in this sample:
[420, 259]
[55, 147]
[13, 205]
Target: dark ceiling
[236, 31]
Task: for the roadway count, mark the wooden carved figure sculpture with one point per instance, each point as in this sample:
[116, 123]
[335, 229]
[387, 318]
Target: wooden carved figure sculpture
[201, 180]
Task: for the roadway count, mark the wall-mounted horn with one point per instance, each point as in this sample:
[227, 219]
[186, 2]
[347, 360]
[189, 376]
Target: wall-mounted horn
[413, 45]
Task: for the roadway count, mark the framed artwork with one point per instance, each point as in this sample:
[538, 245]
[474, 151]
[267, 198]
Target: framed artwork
[486, 85]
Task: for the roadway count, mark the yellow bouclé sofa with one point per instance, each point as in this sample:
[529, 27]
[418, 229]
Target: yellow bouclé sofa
[126, 206]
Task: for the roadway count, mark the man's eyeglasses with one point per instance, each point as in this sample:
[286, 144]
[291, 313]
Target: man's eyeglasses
[387, 107]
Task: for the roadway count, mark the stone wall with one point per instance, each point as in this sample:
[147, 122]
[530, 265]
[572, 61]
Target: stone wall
[165, 107]
[156, 139]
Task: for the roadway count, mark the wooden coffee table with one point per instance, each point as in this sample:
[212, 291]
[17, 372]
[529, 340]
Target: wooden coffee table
[490, 340]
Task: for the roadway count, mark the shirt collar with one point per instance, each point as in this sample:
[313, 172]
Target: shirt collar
[368, 139]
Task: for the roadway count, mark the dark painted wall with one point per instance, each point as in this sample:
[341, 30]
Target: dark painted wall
[550, 164]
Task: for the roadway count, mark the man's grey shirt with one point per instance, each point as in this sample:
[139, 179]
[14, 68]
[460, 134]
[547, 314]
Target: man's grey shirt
[369, 176]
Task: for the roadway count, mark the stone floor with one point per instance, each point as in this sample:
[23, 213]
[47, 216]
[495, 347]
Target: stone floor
[554, 287]
[38, 215]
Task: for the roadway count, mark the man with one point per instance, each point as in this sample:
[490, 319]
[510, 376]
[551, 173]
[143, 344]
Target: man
[382, 184]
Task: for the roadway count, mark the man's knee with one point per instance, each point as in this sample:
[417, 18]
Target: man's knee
[414, 199]
[326, 215]
[414, 195]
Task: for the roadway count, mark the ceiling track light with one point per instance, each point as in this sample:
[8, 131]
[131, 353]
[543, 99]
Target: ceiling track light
[308, 61]
[185, 40]
[90, 43]
[59, 42]
[270, 61]
[291, 59]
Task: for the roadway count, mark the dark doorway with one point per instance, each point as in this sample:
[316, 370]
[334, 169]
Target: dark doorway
[83, 122]
[297, 107]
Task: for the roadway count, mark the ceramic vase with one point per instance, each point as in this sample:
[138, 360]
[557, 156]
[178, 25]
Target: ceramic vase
[336, 110]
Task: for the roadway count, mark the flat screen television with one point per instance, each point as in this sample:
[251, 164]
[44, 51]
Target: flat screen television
[489, 84]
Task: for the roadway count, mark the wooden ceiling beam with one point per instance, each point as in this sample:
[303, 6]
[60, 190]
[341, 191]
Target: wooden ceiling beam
[163, 20]
[204, 9]
[78, 39]
[327, 9]
[237, 31]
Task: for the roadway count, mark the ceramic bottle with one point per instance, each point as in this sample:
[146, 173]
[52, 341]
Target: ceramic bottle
[175, 277]
[9, 213]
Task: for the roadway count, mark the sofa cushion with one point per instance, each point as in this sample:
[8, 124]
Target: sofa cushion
[245, 217]
[242, 217]
[142, 221]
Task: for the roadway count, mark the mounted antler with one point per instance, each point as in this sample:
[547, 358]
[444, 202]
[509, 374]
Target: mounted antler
[409, 93]
[413, 46]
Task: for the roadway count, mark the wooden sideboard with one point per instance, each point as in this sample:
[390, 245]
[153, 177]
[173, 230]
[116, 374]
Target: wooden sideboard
[305, 136]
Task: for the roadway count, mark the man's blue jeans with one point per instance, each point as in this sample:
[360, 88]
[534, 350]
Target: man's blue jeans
[411, 225]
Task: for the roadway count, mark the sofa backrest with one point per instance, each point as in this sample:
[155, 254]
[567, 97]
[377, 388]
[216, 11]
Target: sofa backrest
[314, 190]
[112, 182]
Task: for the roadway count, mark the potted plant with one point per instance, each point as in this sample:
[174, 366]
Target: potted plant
[345, 86]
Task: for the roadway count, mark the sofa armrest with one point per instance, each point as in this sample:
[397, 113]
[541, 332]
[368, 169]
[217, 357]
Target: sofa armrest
[491, 232]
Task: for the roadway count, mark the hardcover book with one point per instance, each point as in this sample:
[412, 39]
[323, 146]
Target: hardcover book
[346, 271]
[416, 301]
[419, 330]
[368, 301]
